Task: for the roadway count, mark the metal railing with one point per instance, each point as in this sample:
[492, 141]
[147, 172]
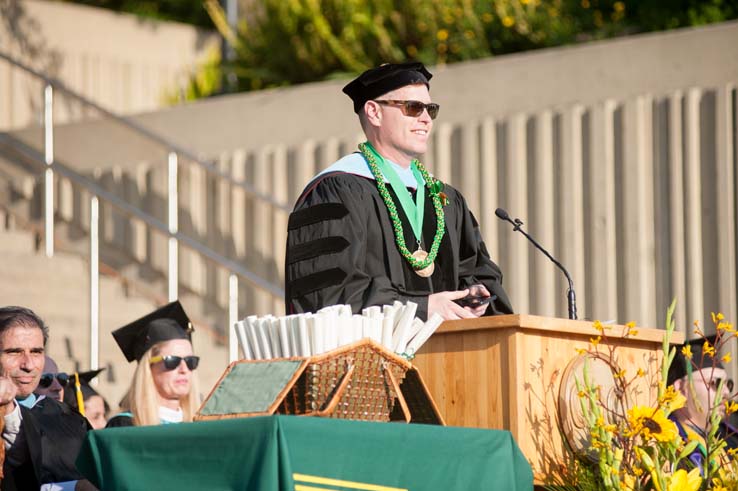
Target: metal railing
[169, 229]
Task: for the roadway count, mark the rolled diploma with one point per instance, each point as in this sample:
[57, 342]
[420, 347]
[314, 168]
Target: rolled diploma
[427, 330]
[263, 325]
[253, 337]
[275, 342]
[400, 336]
[302, 335]
[284, 338]
[243, 339]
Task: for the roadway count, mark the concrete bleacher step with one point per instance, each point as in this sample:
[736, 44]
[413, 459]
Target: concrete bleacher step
[58, 290]
[15, 242]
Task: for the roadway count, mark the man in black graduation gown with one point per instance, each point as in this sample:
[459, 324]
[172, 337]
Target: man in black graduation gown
[42, 436]
[376, 227]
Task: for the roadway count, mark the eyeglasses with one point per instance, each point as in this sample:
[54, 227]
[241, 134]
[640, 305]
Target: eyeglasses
[413, 108]
[172, 362]
[48, 378]
[715, 383]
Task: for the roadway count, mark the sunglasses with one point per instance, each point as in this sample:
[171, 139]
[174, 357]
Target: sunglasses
[715, 383]
[172, 362]
[48, 378]
[413, 108]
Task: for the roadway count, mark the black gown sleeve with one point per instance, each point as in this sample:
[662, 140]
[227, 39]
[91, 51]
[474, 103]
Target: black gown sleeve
[331, 250]
[475, 265]
[54, 433]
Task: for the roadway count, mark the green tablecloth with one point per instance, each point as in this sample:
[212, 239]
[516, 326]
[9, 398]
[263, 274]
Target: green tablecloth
[286, 453]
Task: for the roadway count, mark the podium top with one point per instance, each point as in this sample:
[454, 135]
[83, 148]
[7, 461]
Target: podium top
[553, 324]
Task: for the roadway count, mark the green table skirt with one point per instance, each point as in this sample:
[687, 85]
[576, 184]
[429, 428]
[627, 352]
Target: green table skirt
[286, 453]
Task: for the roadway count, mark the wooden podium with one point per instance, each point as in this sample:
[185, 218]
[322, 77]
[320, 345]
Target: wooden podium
[506, 372]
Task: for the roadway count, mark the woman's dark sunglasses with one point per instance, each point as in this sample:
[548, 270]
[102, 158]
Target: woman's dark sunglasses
[413, 108]
[48, 378]
[172, 362]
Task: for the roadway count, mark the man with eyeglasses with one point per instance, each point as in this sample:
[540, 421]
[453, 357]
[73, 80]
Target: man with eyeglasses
[42, 436]
[376, 227]
[705, 385]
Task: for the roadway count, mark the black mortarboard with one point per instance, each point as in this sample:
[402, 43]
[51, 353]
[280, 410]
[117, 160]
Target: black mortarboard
[70, 396]
[700, 359]
[390, 76]
[164, 324]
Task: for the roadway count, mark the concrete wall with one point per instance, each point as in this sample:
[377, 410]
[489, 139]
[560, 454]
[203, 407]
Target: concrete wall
[119, 61]
[620, 156]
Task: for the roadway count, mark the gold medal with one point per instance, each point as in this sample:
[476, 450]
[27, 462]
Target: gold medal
[420, 255]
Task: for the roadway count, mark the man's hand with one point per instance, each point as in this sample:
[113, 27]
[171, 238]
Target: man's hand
[443, 304]
[8, 391]
[478, 291]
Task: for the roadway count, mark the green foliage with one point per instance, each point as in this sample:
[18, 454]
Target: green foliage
[283, 42]
[188, 11]
[204, 82]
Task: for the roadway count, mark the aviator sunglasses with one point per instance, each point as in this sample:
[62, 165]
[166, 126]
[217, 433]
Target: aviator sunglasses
[48, 378]
[412, 108]
[172, 362]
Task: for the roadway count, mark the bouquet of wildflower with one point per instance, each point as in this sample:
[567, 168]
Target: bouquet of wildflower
[638, 446]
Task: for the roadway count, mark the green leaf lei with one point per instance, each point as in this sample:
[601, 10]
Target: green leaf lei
[434, 188]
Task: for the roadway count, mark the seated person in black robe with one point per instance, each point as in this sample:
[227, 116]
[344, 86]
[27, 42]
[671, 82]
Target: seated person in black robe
[164, 385]
[375, 227]
[86, 400]
[42, 436]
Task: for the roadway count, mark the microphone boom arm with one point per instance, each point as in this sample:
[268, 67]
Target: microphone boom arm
[517, 227]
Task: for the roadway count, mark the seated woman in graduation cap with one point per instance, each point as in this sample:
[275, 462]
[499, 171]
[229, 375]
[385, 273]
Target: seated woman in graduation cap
[164, 386]
[85, 400]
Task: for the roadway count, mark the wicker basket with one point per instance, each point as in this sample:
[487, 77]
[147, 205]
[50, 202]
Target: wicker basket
[360, 381]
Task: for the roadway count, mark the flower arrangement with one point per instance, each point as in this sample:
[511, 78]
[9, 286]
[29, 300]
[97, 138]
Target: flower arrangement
[638, 447]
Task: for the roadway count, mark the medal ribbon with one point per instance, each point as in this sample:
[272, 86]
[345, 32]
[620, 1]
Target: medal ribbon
[414, 211]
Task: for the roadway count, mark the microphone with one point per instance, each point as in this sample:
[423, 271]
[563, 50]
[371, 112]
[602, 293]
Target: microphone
[517, 227]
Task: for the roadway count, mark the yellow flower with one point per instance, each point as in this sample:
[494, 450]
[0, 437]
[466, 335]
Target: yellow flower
[580, 351]
[731, 407]
[726, 358]
[707, 349]
[671, 399]
[687, 351]
[610, 428]
[683, 481]
[598, 325]
[620, 374]
[508, 21]
[595, 341]
[716, 317]
[651, 424]
[726, 326]
[641, 373]
[442, 35]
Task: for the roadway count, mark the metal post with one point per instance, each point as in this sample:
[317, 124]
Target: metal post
[232, 317]
[49, 174]
[229, 52]
[94, 285]
[173, 227]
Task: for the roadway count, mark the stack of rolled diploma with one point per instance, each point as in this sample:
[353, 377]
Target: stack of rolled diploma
[394, 326]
